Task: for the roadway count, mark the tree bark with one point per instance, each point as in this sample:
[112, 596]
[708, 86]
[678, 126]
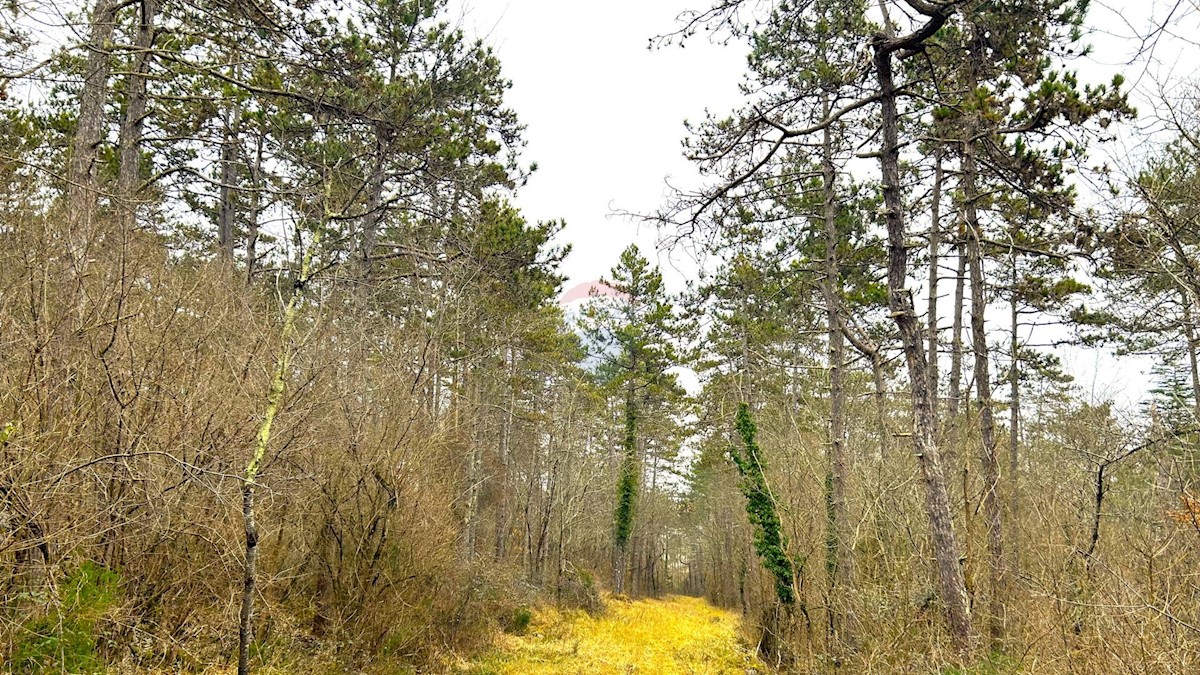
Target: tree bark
[256, 208]
[989, 464]
[227, 211]
[937, 501]
[506, 424]
[246, 622]
[1014, 426]
[628, 471]
[841, 556]
[935, 243]
[274, 401]
[134, 117]
[1189, 333]
[956, 342]
[82, 188]
[375, 211]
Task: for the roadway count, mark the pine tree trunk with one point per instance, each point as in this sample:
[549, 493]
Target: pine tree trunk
[841, 557]
[227, 211]
[935, 243]
[989, 463]
[627, 486]
[881, 416]
[134, 117]
[619, 569]
[375, 211]
[1014, 428]
[1189, 333]
[502, 508]
[256, 209]
[89, 131]
[956, 341]
[937, 500]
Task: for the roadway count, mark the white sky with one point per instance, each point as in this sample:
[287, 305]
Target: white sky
[604, 114]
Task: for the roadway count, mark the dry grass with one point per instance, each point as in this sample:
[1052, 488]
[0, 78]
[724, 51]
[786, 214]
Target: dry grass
[672, 635]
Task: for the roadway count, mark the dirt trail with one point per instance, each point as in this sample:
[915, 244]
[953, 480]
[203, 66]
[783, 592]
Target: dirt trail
[673, 635]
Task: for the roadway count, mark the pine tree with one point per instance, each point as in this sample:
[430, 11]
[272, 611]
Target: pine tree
[634, 331]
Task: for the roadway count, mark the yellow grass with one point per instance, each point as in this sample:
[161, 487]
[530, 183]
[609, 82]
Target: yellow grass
[674, 635]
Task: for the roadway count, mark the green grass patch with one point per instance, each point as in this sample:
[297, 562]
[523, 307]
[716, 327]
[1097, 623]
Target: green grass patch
[65, 640]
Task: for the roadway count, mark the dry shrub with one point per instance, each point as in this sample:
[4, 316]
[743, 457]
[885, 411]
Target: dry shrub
[133, 382]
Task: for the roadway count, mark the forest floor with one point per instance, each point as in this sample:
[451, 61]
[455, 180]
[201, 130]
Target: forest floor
[669, 636]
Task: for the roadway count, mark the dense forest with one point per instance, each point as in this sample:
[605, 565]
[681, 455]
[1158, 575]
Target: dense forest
[286, 385]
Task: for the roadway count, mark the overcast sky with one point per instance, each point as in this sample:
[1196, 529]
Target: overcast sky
[604, 113]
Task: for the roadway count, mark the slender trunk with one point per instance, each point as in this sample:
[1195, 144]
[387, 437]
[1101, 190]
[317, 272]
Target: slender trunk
[474, 484]
[263, 439]
[937, 500]
[1014, 426]
[1189, 333]
[935, 243]
[875, 354]
[227, 212]
[246, 622]
[881, 420]
[956, 341]
[619, 569]
[841, 555]
[134, 117]
[89, 131]
[505, 443]
[989, 464]
[256, 208]
[375, 212]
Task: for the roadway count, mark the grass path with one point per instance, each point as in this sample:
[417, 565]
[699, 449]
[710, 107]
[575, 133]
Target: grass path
[673, 635]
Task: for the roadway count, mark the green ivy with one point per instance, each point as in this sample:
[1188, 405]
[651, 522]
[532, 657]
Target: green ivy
[769, 543]
[627, 483]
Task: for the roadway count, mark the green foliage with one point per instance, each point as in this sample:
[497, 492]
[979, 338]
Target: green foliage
[634, 329]
[1172, 399]
[769, 543]
[627, 483]
[10, 429]
[519, 622]
[65, 640]
[634, 332]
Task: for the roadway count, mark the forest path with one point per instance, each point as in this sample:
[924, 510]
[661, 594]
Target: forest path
[674, 635]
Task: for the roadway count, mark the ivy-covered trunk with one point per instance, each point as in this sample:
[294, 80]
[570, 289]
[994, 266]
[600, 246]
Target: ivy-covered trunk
[627, 484]
[769, 542]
